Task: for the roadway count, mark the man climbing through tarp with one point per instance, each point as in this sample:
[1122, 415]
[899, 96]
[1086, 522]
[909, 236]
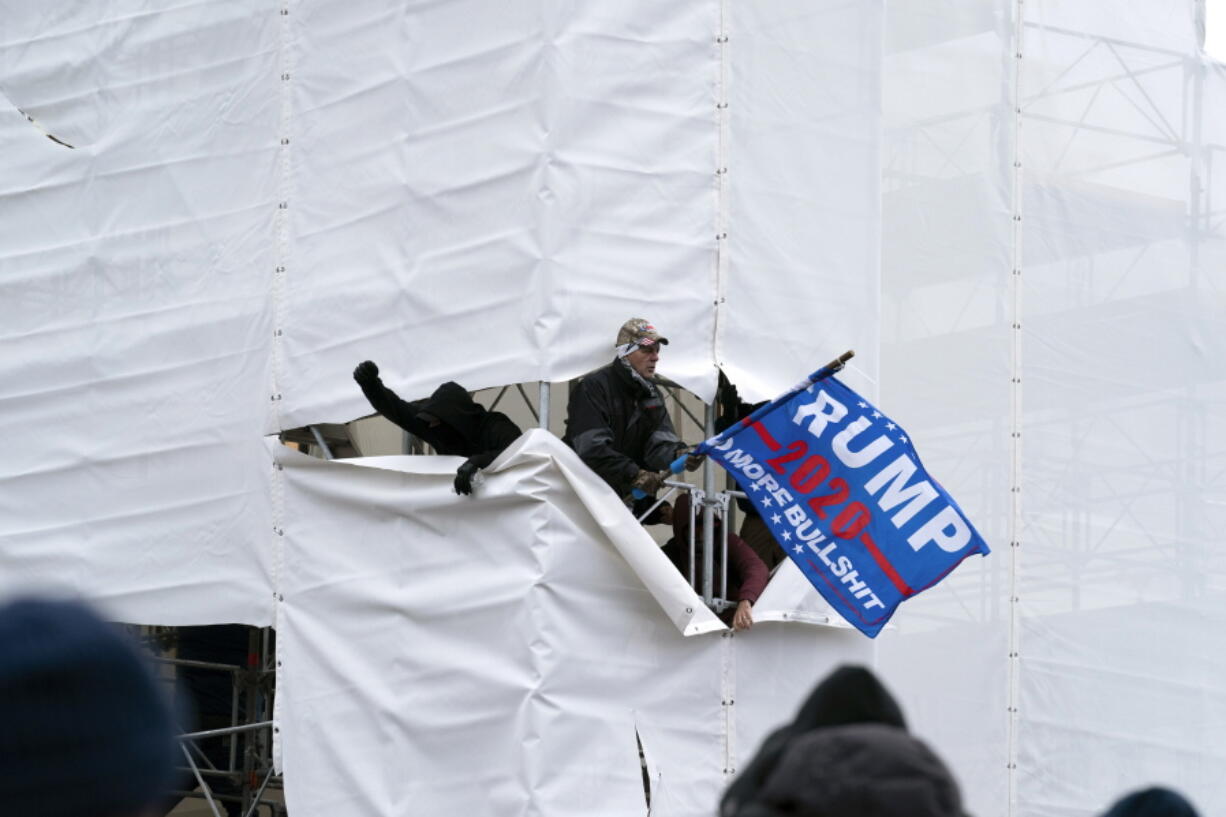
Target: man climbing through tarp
[617, 423]
[449, 420]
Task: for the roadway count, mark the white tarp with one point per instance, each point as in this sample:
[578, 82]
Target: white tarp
[496, 654]
[945, 361]
[135, 322]
[257, 197]
[1121, 582]
[484, 192]
[800, 278]
[1073, 406]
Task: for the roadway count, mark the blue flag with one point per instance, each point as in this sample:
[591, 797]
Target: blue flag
[844, 493]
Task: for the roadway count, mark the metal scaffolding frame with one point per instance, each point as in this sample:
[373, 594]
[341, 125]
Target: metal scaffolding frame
[249, 770]
[1163, 132]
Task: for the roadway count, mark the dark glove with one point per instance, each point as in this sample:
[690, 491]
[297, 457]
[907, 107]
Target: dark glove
[694, 461]
[464, 477]
[366, 373]
[648, 482]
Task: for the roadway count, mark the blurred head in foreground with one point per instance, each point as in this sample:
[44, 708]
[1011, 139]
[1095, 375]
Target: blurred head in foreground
[85, 731]
[1152, 802]
[846, 754]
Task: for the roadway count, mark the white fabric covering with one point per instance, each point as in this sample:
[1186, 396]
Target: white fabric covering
[803, 199]
[497, 655]
[135, 323]
[1086, 661]
[483, 191]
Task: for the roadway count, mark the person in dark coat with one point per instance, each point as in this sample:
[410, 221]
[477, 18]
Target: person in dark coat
[1156, 801]
[747, 575]
[731, 409]
[449, 420]
[848, 695]
[616, 419]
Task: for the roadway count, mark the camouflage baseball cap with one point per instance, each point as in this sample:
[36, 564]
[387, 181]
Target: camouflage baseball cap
[639, 331]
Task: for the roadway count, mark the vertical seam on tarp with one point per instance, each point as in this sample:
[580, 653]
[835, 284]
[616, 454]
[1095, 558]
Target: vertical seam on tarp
[277, 503]
[281, 228]
[727, 692]
[721, 179]
[1015, 419]
[281, 218]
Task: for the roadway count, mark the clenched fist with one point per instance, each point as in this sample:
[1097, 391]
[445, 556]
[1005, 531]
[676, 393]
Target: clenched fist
[366, 372]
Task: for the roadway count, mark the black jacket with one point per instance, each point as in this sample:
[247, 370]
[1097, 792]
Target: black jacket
[465, 428]
[617, 424]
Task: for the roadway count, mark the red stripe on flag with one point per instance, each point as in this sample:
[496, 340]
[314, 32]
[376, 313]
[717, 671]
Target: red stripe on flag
[855, 608]
[757, 426]
[884, 564]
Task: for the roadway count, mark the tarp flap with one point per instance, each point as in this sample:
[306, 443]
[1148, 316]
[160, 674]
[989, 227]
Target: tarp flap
[789, 596]
[499, 647]
[594, 498]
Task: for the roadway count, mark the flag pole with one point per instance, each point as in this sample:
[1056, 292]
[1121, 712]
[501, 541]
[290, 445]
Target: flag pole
[830, 368]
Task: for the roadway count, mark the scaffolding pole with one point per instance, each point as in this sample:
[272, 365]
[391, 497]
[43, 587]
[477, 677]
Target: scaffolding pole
[708, 515]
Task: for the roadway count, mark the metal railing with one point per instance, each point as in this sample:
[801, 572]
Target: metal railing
[248, 778]
[710, 507]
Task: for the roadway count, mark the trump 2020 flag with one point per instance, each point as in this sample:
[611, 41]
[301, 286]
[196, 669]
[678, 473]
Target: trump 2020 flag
[844, 493]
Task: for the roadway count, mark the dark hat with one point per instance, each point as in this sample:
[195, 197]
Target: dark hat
[850, 694]
[1152, 802]
[85, 730]
[858, 770]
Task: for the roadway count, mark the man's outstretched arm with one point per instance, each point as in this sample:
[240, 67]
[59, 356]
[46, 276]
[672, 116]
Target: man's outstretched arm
[385, 401]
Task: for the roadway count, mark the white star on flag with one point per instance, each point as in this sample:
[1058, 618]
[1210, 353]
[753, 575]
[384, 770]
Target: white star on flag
[766, 502]
[862, 404]
[891, 426]
[902, 439]
[756, 487]
[787, 537]
[776, 519]
[798, 549]
[876, 414]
